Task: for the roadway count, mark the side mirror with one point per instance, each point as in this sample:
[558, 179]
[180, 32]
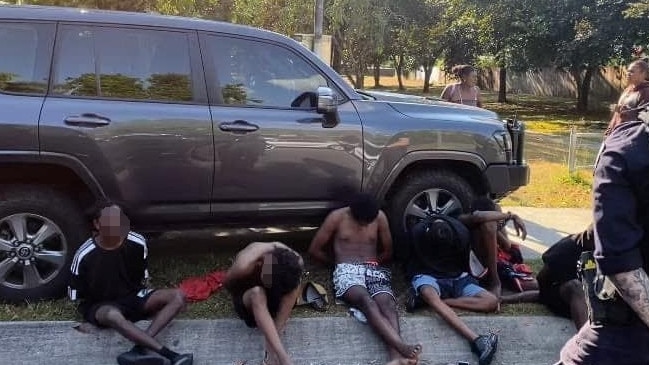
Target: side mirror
[327, 107]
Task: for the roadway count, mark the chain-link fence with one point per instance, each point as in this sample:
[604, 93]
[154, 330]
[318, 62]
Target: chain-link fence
[577, 150]
[583, 149]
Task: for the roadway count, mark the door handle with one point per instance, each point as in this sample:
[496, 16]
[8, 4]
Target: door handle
[87, 119]
[238, 126]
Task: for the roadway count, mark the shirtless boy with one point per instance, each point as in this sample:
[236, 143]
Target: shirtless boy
[359, 279]
[263, 281]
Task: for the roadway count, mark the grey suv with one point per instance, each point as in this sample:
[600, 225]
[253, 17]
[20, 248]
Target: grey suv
[191, 123]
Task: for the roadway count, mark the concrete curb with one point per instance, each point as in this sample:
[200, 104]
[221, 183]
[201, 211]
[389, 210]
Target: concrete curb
[532, 340]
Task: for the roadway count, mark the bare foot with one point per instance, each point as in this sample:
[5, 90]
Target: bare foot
[270, 359]
[285, 361]
[410, 351]
[403, 362]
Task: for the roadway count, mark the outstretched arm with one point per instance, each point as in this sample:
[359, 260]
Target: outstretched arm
[317, 249]
[385, 238]
[479, 217]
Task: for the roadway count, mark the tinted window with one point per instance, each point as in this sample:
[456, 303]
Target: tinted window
[263, 74]
[123, 64]
[25, 51]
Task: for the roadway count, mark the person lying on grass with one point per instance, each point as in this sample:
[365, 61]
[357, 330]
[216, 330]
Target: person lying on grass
[108, 282]
[263, 281]
[358, 231]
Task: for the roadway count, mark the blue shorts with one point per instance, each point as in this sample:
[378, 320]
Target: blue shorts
[464, 285]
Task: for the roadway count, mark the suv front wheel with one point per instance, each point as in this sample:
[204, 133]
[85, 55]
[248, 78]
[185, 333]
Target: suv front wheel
[40, 230]
[422, 194]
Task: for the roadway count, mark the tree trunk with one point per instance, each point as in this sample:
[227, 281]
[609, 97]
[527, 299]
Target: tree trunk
[428, 70]
[502, 86]
[377, 74]
[399, 68]
[582, 101]
[576, 77]
[360, 79]
[336, 56]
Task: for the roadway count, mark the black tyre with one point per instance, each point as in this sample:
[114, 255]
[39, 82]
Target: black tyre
[40, 230]
[421, 194]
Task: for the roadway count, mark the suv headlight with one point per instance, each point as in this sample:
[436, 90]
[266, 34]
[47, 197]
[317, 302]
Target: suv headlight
[505, 142]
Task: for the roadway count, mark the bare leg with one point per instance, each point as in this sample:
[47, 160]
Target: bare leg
[358, 296]
[483, 302]
[166, 304]
[573, 293]
[255, 301]
[283, 313]
[388, 308]
[430, 296]
[486, 248]
[112, 317]
[530, 296]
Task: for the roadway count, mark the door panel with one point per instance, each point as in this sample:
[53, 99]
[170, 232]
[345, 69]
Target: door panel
[271, 147]
[25, 51]
[124, 102]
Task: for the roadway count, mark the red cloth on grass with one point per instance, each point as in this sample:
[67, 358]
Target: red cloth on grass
[201, 287]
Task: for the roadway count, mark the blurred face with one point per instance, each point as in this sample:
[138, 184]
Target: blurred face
[471, 78]
[112, 224]
[267, 270]
[635, 75]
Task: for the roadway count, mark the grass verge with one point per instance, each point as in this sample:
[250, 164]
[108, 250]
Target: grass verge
[169, 271]
[551, 186]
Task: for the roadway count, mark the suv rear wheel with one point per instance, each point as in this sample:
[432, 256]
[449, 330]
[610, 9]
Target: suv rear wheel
[40, 229]
[422, 194]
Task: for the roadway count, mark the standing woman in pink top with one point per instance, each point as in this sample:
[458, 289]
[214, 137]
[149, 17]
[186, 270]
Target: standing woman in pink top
[635, 98]
[464, 92]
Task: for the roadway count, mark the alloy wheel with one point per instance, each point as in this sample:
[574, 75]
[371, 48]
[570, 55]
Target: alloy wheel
[32, 251]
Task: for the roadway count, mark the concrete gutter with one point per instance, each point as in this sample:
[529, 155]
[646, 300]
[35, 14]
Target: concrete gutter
[531, 340]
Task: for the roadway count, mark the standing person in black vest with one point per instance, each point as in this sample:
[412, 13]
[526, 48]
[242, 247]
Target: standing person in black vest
[618, 328]
[438, 269]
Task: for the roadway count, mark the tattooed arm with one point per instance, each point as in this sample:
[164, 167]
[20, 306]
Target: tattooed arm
[633, 286]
